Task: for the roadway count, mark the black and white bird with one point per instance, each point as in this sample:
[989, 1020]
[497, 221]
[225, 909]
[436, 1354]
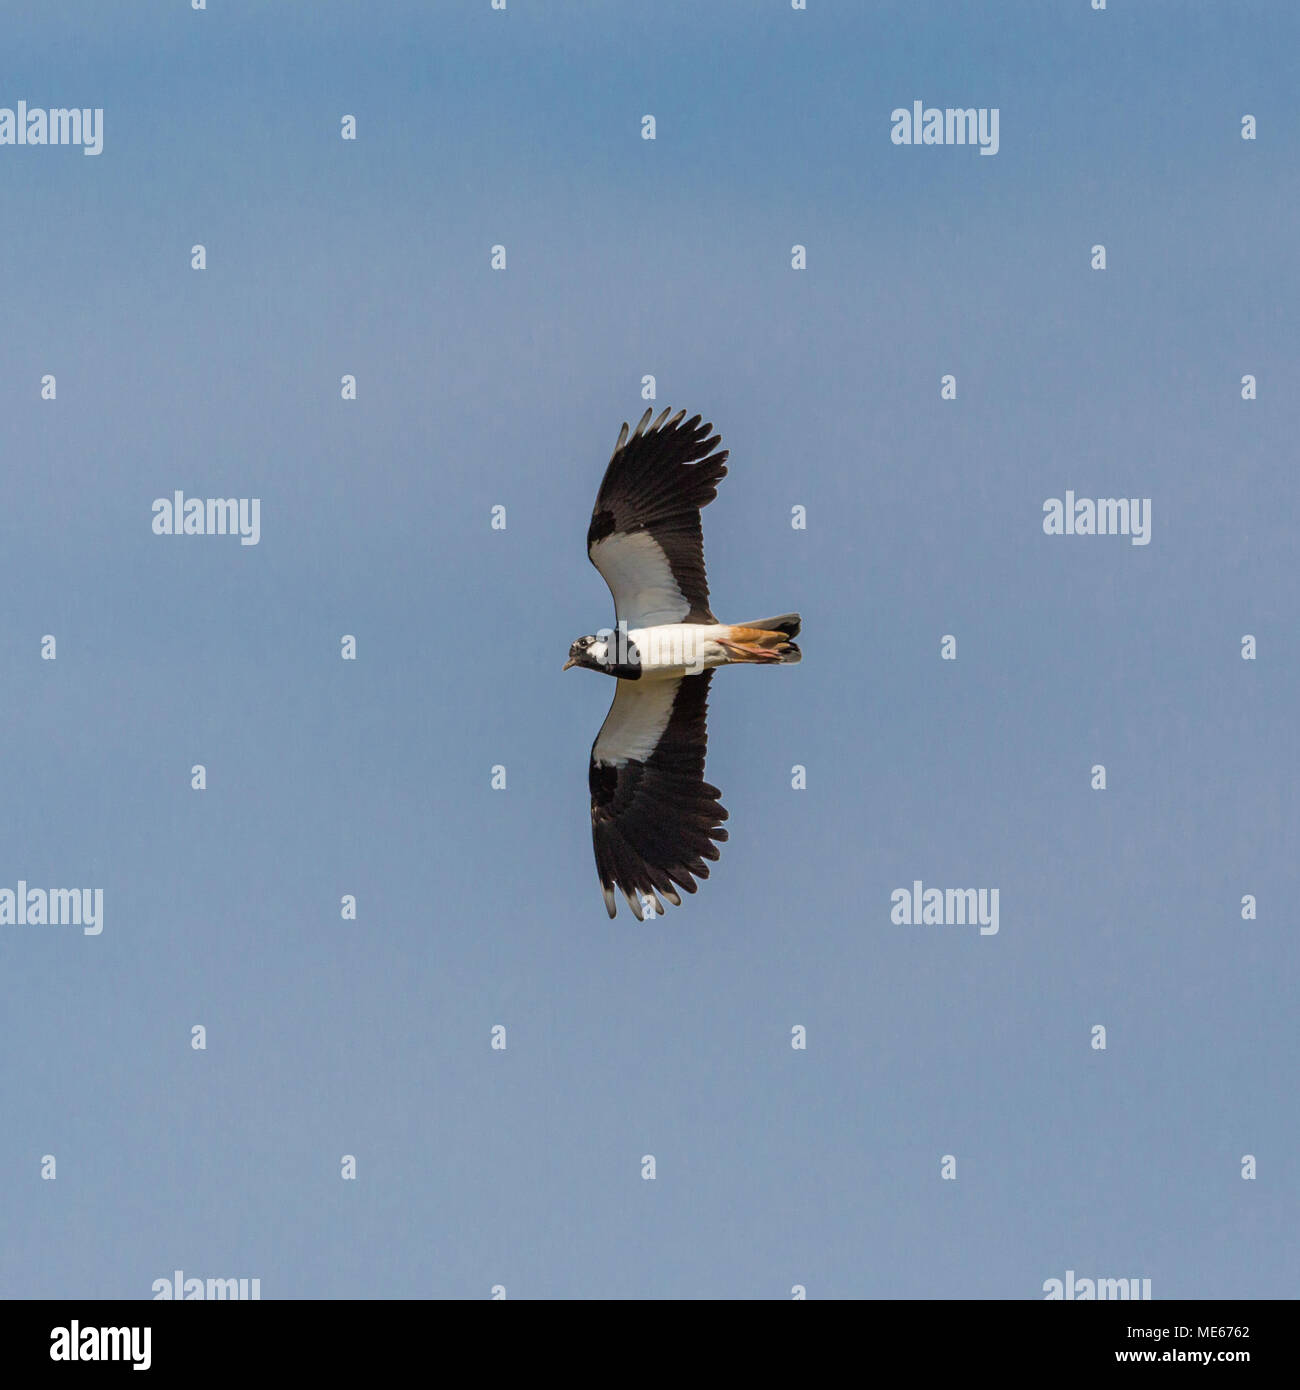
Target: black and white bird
[654, 819]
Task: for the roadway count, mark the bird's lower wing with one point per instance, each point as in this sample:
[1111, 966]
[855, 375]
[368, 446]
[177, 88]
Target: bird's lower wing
[654, 819]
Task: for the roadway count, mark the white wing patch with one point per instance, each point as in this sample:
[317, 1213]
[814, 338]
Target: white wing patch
[640, 578]
[635, 722]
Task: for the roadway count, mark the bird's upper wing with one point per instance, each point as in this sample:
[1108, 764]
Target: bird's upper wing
[654, 818]
[645, 536]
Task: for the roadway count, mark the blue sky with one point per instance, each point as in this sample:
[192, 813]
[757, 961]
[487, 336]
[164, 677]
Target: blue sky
[477, 907]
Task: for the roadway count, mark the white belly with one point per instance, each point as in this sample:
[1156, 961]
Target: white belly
[679, 649]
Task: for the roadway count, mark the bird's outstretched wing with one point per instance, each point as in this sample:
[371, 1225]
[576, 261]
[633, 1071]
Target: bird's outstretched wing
[654, 818]
[645, 536]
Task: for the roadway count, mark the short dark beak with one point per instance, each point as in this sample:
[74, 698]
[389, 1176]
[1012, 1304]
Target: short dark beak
[568, 663]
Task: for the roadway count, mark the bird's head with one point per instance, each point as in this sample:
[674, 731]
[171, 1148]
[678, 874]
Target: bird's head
[592, 652]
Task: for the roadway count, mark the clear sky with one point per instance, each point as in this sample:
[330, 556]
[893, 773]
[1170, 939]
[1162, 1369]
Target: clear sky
[326, 1037]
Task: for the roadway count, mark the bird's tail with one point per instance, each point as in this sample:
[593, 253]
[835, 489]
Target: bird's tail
[765, 640]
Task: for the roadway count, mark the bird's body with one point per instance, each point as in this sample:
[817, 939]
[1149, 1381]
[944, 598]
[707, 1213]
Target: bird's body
[654, 819]
[681, 649]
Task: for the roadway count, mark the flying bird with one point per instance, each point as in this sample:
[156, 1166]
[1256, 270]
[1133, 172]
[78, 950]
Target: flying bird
[654, 819]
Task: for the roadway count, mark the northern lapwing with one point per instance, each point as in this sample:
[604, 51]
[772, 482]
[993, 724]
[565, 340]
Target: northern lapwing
[654, 819]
